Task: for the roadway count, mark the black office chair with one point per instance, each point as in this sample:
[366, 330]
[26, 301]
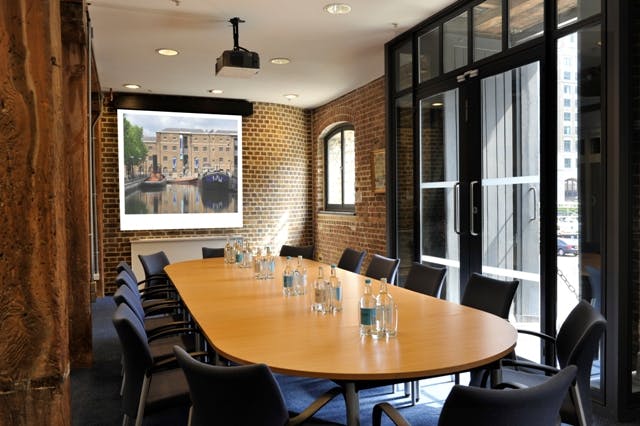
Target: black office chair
[576, 344]
[153, 265]
[489, 294]
[351, 260]
[467, 405]
[383, 267]
[295, 251]
[492, 296]
[124, 266]
[208, 252]
[159, 317]
[149, 386]
[149, 296]
[238, 395]
[425, 279]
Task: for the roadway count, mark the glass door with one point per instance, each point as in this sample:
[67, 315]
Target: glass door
[439, 185]
[510, 184]
[480, 184]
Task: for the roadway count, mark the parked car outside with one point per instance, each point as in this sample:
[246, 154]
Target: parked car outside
[567, 247]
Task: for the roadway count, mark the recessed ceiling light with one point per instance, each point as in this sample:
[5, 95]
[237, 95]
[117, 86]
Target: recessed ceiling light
[215, 91]
[280, 61]
[437, 104]
[290, 96]
[337, 8]
[167, 52]
[132, 86]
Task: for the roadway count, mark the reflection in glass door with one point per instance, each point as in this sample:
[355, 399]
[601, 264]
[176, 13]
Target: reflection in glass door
[510, 140]
[439, 185]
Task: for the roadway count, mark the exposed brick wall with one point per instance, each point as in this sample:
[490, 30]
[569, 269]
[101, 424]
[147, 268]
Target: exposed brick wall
[276, 157]
[365, 109]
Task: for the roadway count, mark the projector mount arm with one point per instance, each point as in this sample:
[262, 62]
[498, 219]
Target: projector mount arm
[234, 22]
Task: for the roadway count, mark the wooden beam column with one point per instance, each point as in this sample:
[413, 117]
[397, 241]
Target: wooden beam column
[34, 251]
[76, 107]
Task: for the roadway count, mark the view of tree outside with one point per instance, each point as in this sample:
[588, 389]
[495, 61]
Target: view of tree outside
[134, 149]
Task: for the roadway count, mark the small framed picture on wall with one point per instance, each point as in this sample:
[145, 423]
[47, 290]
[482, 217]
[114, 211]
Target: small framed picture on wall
[378, 170]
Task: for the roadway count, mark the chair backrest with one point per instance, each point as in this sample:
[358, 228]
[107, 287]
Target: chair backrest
[124, 266]
[295, 251]
[125, 295]
[383, 267]
[153, 265]
[534, 406]
[577, 344]
[208, 252]
[136, 356]
[489, 294]
[239, 395]
[124, 278]
[425, 279]
[351, 260]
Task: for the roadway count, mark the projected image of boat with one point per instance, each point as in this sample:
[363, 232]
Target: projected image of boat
[217, 181]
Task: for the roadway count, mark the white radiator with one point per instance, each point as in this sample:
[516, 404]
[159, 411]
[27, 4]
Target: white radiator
[177, 249]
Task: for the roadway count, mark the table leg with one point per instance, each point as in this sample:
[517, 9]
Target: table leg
[352, 403]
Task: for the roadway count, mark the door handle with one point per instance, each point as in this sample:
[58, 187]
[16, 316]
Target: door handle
[456, 208]
[472, 209]
[535, 203]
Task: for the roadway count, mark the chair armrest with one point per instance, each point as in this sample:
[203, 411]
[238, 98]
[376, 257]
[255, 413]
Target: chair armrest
[168, 307]
[169, 332]
[149, 292]
[506, 362]
[391, 412]
[542, 336]
[156, 277]
[169, 363]
[509, 385]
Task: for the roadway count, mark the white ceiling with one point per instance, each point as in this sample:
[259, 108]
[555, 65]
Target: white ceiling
[330, 54]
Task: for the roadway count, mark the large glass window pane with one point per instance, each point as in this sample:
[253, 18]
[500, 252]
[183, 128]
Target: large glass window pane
[570, 11]
[526, 20]
[403, 66]
[349, 164]
[405, 181]
[456, 41]
[579, 178]
[334, 169]
[429, 46]
[487, 29]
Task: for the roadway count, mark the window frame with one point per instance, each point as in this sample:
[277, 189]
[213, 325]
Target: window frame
[342, 207]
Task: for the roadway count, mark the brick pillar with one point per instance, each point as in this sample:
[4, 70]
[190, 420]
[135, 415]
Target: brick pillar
[34, 354]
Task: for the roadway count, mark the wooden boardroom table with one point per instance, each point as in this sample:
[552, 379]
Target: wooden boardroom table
[250, 321]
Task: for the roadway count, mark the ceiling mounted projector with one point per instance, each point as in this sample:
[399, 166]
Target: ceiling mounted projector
[238, 62]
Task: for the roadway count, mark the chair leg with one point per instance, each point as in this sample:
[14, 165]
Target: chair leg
[579, 406]
[190, 416]
[144, 392]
